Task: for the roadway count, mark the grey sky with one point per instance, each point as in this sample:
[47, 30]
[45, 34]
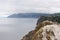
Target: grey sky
[8, 7]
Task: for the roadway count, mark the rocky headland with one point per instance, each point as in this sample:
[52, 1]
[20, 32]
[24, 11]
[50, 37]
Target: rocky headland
[47, 28]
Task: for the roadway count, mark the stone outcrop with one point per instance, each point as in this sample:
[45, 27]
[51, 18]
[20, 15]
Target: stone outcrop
[47, 28]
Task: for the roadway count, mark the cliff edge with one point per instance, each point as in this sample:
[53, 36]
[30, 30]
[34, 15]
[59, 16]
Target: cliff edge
[47, 28]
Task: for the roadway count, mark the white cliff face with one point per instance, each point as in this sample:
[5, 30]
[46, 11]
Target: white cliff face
[47, 30]
[51, 32]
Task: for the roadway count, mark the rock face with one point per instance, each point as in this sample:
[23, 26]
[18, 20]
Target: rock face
[45, 30]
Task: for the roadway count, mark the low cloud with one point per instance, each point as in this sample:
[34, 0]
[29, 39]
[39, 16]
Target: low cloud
[8, 7]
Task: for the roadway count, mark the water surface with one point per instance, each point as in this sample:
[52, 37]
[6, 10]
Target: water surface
[15, 28]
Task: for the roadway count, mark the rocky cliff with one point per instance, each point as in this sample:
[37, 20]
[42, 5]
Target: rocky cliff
[47, 28]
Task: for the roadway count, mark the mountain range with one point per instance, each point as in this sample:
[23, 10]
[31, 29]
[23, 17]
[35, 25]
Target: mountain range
[27, 15]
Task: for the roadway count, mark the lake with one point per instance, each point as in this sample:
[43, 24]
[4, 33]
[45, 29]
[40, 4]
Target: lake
[16, 28]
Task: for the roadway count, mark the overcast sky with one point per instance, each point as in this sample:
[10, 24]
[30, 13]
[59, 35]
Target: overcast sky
[8, 7]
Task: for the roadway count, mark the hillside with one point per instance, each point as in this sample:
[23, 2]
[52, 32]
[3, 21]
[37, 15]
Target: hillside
[27, 15]
[49, 18]
[48, 28]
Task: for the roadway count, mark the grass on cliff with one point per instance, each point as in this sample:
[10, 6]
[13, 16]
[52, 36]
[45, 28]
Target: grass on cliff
[42, 24]
[49, 18]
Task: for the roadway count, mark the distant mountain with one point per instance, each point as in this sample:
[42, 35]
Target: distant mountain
[28, 15]
[57, 14]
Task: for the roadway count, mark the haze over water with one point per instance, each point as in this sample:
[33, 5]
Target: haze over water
[15, 28]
